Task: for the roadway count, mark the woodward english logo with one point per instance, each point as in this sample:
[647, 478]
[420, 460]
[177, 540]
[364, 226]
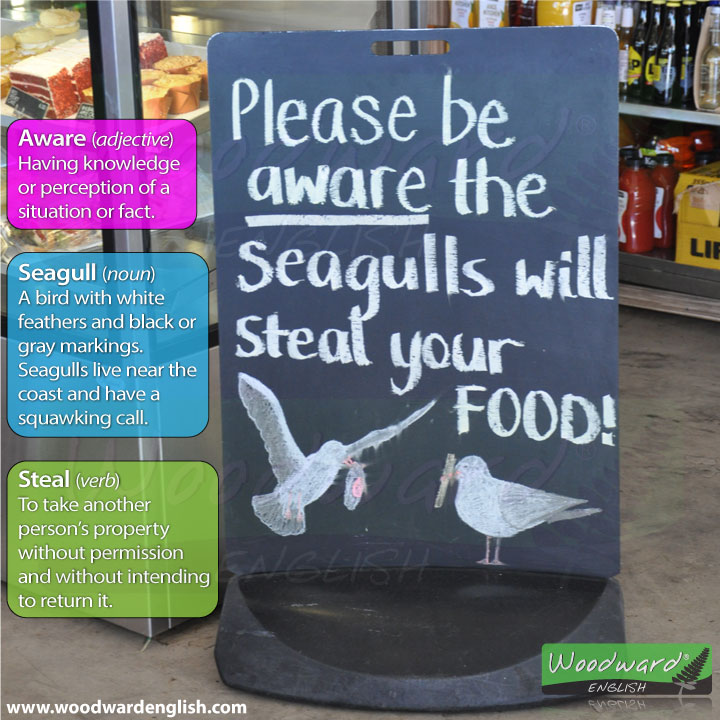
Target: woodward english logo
[627, 669]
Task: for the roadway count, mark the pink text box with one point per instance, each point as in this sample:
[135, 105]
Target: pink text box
[140, 173]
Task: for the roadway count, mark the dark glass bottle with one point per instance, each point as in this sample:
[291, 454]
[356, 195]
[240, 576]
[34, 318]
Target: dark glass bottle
[686, 44]
[522, 13]
[652, 40]
[636, 79]
[666, 85]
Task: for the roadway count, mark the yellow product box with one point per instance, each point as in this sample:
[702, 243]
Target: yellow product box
[698, 245]
[697, 200]
[697, 195]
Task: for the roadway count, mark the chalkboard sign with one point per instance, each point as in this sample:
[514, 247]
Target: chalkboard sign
[86, 111]
[25, 105]
[417, 284]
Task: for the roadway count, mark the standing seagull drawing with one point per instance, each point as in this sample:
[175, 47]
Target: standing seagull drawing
[302, 480]
[500, 509]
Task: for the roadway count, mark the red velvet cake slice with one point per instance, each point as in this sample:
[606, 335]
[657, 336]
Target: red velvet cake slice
[76, 55]
[152, 49]
[49, 80]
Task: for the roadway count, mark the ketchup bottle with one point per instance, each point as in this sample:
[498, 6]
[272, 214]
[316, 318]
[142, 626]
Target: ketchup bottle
[636, 202]
[664, 177]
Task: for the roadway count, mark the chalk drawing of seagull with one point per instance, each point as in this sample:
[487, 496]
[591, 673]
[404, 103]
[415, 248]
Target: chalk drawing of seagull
[500, 509]
[303, 479]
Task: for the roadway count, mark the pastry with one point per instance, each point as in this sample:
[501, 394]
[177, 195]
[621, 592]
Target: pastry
[156, 102]
[184, 92]
[8, 49]
[59, 21]
[33, 40]
[201, 69]
[148, 76]
[177, 64]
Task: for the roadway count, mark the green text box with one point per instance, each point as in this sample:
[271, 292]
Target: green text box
[112, 539]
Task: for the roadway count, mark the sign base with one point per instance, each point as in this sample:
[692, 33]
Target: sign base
[435, 639]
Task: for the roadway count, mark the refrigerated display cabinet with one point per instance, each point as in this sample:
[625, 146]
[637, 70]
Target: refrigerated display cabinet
[113, 32]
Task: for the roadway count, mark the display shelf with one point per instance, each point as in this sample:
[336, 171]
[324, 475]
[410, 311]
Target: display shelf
[668, 113]
[674, 303]
[657, 272]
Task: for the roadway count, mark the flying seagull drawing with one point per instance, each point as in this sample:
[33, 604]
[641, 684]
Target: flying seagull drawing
[500, 509]
[303, 479]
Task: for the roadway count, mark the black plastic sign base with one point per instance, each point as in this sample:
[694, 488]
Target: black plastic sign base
[408, 639]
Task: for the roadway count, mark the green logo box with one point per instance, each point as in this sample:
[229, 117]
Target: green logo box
[112, 539]
[627, 668]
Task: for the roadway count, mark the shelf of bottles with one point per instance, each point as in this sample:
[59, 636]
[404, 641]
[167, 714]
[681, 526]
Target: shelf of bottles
[669, 113]
[670, 60]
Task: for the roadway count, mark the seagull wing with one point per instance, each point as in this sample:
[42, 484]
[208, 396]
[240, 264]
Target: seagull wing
[523, 507]
[378, 437]
[264, 410]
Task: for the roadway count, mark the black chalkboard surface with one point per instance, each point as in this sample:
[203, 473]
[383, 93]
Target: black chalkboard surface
[417, 277]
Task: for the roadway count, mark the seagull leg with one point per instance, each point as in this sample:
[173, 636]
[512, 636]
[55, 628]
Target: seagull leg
[300, 510]
[486, 561]
[288, 511]
[496, 560]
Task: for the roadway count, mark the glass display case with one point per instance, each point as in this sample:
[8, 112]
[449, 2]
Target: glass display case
[126, 59]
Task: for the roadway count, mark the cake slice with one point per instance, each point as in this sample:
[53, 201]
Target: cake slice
[47, 79]
[152, 49]
[76, 57]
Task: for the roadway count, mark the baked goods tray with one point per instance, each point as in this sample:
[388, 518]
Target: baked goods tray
[14, 241]
[200, 118]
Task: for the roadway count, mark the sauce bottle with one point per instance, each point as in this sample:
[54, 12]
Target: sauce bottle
[637, 50]
[624, 39]
[666, 86]
[664, 177]
[626, 153]
[652, 40]
[636, 199]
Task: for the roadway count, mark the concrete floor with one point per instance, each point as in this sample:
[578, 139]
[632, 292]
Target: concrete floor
[670, 454]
